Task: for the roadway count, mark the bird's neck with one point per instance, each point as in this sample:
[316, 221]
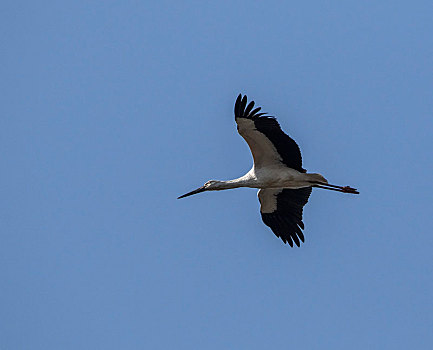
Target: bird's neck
[243, 181]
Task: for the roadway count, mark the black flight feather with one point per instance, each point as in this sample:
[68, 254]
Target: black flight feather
[269, 126]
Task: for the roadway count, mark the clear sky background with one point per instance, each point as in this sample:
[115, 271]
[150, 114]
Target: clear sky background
[110, 110]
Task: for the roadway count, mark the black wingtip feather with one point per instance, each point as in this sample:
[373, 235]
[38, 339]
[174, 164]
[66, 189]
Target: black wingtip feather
[252, 114]
[301, 236]
[289, 240]
[249, 108]
[243, 104]
[296, 239]
[238, 105]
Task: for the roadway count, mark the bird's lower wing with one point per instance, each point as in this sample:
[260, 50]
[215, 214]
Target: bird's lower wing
[281, 210]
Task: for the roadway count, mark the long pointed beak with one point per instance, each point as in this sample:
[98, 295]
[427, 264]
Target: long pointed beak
[198, 190]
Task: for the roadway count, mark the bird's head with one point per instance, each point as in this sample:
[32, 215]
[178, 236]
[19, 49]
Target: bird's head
[211, 185]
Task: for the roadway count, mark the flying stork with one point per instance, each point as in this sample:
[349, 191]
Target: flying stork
[284, 185]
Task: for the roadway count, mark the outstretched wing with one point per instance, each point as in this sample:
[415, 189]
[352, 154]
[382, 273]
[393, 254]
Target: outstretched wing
[267, 142]
[281, 210]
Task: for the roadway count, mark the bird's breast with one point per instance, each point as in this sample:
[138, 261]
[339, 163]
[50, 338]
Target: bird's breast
[277, 177]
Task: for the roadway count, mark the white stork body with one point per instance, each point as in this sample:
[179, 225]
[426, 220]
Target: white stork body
[275, 176]
[284, 186]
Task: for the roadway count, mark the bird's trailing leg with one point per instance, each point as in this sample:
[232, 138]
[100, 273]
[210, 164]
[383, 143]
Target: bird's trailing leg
[344, 189]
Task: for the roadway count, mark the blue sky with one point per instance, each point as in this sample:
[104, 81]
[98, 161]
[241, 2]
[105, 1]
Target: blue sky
[110, 110]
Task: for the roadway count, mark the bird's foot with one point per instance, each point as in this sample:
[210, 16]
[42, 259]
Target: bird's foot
[348, 189]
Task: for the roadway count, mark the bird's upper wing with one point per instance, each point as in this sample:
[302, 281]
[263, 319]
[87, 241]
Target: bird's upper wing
[268, 143]
[281, 210]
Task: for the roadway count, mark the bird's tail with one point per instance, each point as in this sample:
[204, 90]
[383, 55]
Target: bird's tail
[316, 178]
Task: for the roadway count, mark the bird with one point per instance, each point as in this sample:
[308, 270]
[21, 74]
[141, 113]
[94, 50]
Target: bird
[284, 185]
